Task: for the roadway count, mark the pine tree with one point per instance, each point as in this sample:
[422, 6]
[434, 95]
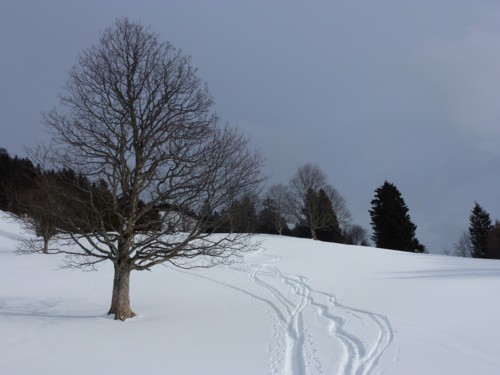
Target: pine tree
[479, 229]
[391, 223]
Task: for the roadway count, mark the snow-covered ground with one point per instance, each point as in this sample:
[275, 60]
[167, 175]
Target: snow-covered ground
[294, 307]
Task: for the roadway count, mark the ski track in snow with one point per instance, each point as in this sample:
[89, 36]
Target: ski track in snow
[300, 315]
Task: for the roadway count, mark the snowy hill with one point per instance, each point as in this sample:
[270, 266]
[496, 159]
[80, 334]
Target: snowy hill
[294, 307]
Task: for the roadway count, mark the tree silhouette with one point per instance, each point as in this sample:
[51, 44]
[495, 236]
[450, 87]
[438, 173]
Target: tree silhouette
[391, 223]
[479, 228]
[136, 117]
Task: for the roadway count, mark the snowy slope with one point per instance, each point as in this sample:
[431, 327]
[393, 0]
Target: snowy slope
[294, 307]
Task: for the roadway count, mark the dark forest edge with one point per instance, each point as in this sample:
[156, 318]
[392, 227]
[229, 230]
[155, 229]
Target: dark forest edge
[269, 213]
[22, 183]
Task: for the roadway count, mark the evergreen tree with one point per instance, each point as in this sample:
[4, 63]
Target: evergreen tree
[319, 217]
[300, 231]
[16, 176]
[391, 223]
[330, 232]
[211, 218]
[268, 217]
[242, 215]
[5, 167]
[479, 229]
[277, 209]
[493, 243]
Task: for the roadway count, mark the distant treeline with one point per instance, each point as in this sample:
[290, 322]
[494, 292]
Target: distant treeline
[23, 192]
[307, 207]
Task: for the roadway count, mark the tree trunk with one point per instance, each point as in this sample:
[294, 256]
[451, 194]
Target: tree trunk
[120, 302]
[46, 244]
[313, 234]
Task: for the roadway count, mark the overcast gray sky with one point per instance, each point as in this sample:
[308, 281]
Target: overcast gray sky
[403, 90]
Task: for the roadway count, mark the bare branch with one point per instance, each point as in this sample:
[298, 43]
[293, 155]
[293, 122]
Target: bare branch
[135, 124]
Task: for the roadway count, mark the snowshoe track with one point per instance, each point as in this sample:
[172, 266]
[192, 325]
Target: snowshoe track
[301, 315]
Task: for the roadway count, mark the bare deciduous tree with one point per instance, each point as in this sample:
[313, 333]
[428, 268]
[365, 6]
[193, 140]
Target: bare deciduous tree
[136, 117]
[309, 178]
[36, 217]
[281, 199]
[356, 235]
[463, 247]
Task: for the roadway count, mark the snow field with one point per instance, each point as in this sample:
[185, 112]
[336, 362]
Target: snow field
[294, 307]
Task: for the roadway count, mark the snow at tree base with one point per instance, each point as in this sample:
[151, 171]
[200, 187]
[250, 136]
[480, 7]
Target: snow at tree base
[295, 306]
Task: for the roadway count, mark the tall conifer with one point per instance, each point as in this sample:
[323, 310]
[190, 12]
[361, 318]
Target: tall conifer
[392, 225]
[479, 229]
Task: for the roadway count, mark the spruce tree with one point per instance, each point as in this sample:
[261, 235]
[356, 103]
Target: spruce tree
[319, 216]
[331, 231]
[479, 229]
[391, 223]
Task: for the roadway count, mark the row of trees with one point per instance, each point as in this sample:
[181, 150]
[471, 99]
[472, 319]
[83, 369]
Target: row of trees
[320, 212]
[16, 175]
[307, 207]
[393, 228]
[48, 201]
